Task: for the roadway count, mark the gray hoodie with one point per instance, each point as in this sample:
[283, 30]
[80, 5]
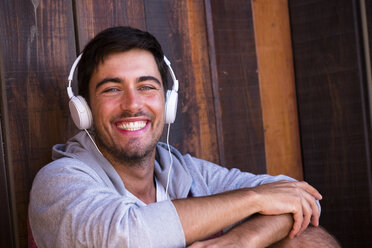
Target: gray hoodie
[79, 200]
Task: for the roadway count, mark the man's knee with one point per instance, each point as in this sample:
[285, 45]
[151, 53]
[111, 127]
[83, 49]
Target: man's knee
[312, 237]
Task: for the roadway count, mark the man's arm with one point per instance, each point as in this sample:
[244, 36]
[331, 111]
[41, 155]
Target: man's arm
[203, 216]
[270, 231]
[257, 231]
[312, 237]
[261, 230]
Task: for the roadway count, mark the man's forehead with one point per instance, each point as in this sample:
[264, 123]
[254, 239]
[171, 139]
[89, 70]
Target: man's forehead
[124, 53]
[138, 64]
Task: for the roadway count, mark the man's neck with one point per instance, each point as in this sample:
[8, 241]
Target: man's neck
[138, 176]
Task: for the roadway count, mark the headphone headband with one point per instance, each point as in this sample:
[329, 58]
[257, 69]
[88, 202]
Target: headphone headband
[175, 81]
[70, 93]
[82, 115]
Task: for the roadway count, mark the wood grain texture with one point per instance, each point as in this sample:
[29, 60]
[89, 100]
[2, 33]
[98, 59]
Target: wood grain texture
[206, 137]
[92, 16]
[179, 26]
[214, 80]
[36, 44]
[334, 130]
[277, 87]
[6, 223]
[238, 86]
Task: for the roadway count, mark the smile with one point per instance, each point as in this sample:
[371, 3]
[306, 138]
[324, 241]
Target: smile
[132, 126]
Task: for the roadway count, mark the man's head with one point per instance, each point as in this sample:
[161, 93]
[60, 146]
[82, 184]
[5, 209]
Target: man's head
[114, 40]
[122, 74]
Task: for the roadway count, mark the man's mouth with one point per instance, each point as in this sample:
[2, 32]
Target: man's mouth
[132, 125]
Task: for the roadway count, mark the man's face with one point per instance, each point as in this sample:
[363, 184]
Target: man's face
[127, 102]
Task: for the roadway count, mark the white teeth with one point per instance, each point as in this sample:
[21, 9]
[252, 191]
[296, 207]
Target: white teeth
[132, 126]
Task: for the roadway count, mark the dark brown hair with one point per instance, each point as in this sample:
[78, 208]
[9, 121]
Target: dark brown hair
[114, 40]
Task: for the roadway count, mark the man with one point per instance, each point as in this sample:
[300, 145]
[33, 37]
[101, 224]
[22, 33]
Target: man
[112, 190]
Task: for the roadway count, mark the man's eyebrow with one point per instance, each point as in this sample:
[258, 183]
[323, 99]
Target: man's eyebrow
[145, 78]
[108, 80]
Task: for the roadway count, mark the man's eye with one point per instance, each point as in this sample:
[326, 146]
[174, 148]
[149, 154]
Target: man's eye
[110, 90]
[147, 87]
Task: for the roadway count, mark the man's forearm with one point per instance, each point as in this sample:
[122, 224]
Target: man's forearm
[202, 217]
[261, 230]
[256, 232]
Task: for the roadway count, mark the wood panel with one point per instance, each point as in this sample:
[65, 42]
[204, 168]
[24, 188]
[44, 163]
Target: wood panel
[238, 85]
[36, 43]
[335, 133]
[92, 16]
[180, 28]
[277, 87]
[6, 223]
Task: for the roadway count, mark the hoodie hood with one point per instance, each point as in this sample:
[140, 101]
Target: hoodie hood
[82, 148]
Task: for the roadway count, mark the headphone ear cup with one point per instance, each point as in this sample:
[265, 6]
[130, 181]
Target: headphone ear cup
[171, 106]
[80, 112]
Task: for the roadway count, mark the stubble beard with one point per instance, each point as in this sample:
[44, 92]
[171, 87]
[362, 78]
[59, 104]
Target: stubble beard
[133, 157]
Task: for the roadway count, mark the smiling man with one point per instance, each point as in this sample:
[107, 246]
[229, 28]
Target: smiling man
[112, 190]
[127, 101]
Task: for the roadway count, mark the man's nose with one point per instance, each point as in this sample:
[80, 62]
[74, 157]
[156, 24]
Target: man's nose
[131, 100]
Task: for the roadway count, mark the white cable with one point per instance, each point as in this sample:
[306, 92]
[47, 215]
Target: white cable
[94, 143]
[171, 161]
[169, 150]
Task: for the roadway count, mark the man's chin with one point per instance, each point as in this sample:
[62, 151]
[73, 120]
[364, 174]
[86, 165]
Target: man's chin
[129, 154]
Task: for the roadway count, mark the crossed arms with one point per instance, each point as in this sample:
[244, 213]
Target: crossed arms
[90, 212]
[284, 207]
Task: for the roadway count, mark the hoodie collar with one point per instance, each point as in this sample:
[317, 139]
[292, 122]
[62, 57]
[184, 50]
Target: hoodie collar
[81, 147]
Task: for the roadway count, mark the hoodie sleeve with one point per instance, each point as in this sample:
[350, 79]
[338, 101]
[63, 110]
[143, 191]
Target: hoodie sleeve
[213, 179]
[220, 179]
[70, 206]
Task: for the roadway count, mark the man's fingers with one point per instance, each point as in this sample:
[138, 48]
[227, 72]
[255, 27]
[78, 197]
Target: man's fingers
[310, 189]
[298, 219]
[310, 211]
[315, 215]
[314, 209]
[307, 213]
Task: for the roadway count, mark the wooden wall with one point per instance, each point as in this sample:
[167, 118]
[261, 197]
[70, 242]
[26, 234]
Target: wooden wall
[237, 103]
[37, 44]
[334, 113]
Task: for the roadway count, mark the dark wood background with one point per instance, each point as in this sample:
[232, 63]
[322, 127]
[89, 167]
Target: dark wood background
[227, 113]
[334, 114]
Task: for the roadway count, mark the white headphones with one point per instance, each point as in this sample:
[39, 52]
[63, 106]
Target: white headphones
[82, 115]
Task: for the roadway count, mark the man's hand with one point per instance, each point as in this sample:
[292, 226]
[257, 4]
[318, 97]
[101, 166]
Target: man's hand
[297, 198]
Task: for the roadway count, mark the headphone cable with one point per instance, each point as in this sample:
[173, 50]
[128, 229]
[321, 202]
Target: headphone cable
[171, 161]
[169, 151]
[94, 143]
